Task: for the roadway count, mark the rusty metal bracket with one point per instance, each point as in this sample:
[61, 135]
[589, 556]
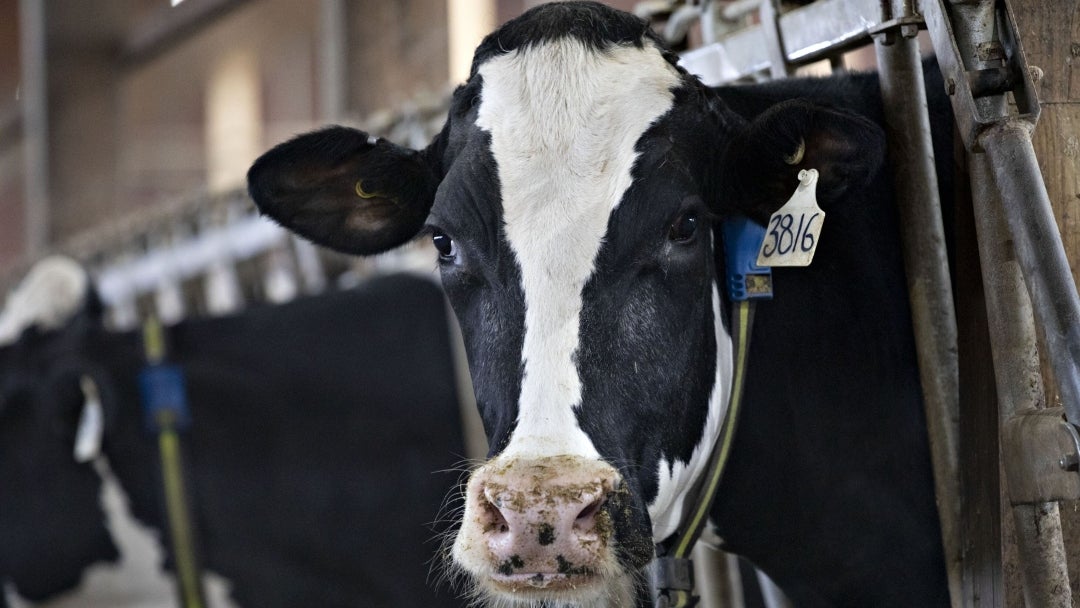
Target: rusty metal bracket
[965, 84]
[1041, 454]
[907, 26]
[981, 58]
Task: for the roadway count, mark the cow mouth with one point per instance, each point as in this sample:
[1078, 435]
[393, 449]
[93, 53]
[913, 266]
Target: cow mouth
[549, 588]
[547, 581]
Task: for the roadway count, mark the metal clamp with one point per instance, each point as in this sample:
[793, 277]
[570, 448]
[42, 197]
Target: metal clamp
[1041, 452]
[673, 580]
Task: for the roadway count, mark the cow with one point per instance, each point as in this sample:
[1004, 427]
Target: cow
[575, 197]
[315, 479]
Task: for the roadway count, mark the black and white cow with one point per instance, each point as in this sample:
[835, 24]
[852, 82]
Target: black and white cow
[574, 196]
[315, 476]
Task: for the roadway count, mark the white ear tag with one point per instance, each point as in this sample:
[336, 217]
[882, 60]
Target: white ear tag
[91, 423]
[791, 236]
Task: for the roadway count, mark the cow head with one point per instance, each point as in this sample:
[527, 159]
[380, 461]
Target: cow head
[571, 197]
[52, 526]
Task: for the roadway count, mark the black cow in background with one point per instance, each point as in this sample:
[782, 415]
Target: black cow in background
[315, 476]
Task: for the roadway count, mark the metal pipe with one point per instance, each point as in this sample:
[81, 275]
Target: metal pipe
[769, 14]
[333, 68]
[1039, 251]
[35, 113]
[911, 152]
[1019, 385]
[771, 594]
[716, 578]
[1042, 554]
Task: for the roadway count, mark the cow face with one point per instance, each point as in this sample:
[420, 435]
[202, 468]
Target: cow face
[571, 197]
[52, 525]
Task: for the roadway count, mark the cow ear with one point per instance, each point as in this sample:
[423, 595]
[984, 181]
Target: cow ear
[344, 189]
[760, 168]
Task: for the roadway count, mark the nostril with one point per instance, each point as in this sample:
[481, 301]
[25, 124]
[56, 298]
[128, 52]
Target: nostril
[585, 517]
[494, 520]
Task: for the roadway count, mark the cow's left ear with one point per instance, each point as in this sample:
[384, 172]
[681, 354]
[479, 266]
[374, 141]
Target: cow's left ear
[760, 167]
[345, 189]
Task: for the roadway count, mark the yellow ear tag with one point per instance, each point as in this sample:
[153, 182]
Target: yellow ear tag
[361, 192]
[791, 236]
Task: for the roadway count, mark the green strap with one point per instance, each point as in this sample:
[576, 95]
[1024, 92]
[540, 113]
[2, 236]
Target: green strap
[742, 319]
[677, 591]
[172, 476]
[187, 569]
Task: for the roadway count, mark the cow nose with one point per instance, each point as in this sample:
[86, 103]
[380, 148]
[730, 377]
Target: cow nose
[547, 513]
[544, 516]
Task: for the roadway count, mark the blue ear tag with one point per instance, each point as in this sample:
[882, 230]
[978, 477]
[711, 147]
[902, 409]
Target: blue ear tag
[745, 279]
[164, 397]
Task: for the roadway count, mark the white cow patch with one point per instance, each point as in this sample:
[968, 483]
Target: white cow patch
[50, 294]
[564, 120]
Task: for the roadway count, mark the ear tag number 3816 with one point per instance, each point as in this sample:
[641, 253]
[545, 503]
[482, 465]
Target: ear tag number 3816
[791, 236]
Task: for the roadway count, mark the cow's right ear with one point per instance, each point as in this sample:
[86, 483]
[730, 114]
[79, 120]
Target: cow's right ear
[344, 189]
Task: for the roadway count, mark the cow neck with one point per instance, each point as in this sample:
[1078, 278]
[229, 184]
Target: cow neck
[672, 569]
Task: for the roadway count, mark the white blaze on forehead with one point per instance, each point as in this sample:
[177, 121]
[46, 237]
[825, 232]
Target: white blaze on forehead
[564, 121]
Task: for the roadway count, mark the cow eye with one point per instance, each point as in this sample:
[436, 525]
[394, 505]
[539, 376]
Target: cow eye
[444, 244]
[684, 227]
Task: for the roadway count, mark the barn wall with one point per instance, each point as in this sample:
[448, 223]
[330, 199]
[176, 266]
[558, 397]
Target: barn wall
[395, 50]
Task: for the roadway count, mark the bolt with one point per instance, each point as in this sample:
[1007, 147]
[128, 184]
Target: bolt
[1036, 73]
[950, 86]
[909, 30]
[1069, 462]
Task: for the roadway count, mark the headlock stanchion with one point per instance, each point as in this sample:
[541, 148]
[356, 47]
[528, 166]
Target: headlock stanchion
[165, 412]
[1031, 461]
[1025, 270]
[911, 153]
[978, 81]
[982, 60]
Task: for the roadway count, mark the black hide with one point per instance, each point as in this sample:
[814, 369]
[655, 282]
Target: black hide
[323, 436]
[829, 489]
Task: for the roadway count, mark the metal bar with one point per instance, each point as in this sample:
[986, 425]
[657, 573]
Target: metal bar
[771, 593]
[1042, 555]
[11, 127]
[333, 71]
[769, 13]
[809, 33]
[1040, 253]
[716, 577]
[1019, 386]
[969, 37]
[35, 113]
[911, 152]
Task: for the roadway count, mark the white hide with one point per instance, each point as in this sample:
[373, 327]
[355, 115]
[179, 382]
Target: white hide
[565, 154]
[48, 297]
[564, 120]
